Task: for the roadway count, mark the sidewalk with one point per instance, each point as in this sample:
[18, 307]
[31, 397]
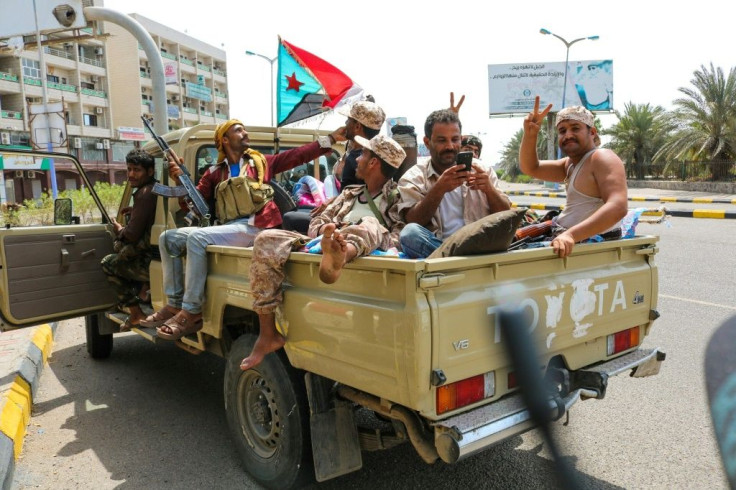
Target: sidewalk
[23, 354]
[639, 195]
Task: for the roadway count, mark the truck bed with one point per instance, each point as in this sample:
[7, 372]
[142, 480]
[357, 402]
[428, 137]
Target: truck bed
[388, 324]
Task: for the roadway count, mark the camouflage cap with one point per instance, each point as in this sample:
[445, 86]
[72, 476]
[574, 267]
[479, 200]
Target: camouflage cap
[366, 113]
[386, 148]
[575, 113]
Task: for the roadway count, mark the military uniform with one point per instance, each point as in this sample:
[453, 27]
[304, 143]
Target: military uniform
[127, 268]
[272, 247]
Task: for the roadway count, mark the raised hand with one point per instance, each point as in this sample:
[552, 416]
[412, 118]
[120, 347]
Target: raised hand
[533, 122]
[456, 108]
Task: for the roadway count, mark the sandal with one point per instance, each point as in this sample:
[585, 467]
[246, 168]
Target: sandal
[127, 325]
[179, 326]
[159, 318]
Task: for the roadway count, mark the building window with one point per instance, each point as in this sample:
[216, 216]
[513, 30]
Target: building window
[31, 68]
[52, 78]
[90, 120]
[120, 149]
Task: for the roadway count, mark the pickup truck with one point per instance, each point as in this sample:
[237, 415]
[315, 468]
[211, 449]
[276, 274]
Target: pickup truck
[418, 343]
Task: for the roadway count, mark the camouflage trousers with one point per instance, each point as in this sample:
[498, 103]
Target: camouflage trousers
[272, 248]
[127, 275]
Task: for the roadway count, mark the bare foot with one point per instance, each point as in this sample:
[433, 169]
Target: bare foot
[264, 345]
[334, 254]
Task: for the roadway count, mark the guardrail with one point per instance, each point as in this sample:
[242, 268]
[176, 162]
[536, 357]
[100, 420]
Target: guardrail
[720, 171]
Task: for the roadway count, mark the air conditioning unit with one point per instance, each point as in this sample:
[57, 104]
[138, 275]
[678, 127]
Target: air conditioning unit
[5, 138]
[99, 51]
[99, 146]
[106, 144]
[99, 110]
[77, 142]
[31, 174]
[175, 98]
[18, 174]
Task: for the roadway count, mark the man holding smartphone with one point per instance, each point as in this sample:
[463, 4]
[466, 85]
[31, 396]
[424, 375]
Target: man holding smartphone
[440, 196]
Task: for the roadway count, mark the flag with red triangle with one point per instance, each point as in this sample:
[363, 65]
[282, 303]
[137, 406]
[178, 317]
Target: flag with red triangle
[308, 85]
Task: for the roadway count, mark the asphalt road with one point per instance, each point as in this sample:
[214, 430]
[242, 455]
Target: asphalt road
[153, 417]
[524, 201]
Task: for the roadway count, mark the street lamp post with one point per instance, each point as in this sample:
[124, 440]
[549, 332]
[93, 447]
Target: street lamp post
[567, 55]
[567, 58]
[271, 61]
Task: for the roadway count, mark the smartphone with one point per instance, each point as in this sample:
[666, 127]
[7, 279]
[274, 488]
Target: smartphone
[465, 158]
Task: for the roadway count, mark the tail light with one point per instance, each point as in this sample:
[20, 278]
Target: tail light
[465, 392]
[623, 340]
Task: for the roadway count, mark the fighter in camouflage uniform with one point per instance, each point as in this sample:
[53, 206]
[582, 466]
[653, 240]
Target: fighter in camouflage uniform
[350, 229]
[127, 268]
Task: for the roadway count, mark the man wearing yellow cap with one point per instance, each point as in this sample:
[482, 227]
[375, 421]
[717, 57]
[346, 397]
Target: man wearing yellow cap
[367, 218]
[185, 292]
[597, 198]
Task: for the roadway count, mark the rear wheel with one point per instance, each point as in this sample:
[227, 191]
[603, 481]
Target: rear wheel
[268, 416]
[99, 345]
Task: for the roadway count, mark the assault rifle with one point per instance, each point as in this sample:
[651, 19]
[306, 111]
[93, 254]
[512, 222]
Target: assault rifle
[198, 208]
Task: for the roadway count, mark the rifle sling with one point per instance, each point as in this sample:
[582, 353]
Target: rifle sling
[373, 207]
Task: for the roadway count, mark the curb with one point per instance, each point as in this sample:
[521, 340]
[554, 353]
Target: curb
[695, 213]
[29, 348]
[695, 200]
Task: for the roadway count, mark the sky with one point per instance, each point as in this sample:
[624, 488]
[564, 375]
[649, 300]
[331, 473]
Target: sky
[411, 55]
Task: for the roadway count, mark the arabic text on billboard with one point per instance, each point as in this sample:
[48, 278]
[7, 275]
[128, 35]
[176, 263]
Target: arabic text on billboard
[513, 87]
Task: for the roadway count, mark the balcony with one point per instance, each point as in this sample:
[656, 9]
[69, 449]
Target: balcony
[8, 77]
[219, 72]
[190, 110]
[186, 61]
[32, 81]
[168, 56]
[204, 67]
[93, 93]
[207, 113]
[9, 84]
[89, 61]
[221, 116]
[61, 53]
[62, 86]
[11, 115]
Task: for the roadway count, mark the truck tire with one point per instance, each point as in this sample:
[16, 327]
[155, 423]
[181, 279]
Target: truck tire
[282, 198]
[99, 346]
[268, 415]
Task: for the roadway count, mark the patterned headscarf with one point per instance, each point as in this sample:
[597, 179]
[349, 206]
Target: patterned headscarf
[220, 132]
[576, 113]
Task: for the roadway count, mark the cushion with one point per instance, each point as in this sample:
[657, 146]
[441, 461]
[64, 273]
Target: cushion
[493, 233]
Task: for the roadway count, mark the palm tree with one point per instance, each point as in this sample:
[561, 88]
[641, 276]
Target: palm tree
[640, 131]
[704, 121]
[509, 162]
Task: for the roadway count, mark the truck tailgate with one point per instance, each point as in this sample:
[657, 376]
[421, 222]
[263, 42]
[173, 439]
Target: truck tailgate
[571, 304]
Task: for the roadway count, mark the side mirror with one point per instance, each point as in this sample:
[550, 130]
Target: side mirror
[63, 210]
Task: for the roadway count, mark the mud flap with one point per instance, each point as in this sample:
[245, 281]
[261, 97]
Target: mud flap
[335, 441]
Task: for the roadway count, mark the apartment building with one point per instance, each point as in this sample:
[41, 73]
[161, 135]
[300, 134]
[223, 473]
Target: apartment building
[102, 77]
[196, 77]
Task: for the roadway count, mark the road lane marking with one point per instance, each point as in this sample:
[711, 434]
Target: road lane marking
[706, 303]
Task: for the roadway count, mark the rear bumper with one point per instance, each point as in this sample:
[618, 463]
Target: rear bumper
[463, 435]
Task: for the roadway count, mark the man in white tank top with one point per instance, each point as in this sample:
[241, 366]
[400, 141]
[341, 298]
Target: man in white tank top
[597, 199]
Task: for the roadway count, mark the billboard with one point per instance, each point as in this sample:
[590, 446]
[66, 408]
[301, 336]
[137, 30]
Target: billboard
[513, 87]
